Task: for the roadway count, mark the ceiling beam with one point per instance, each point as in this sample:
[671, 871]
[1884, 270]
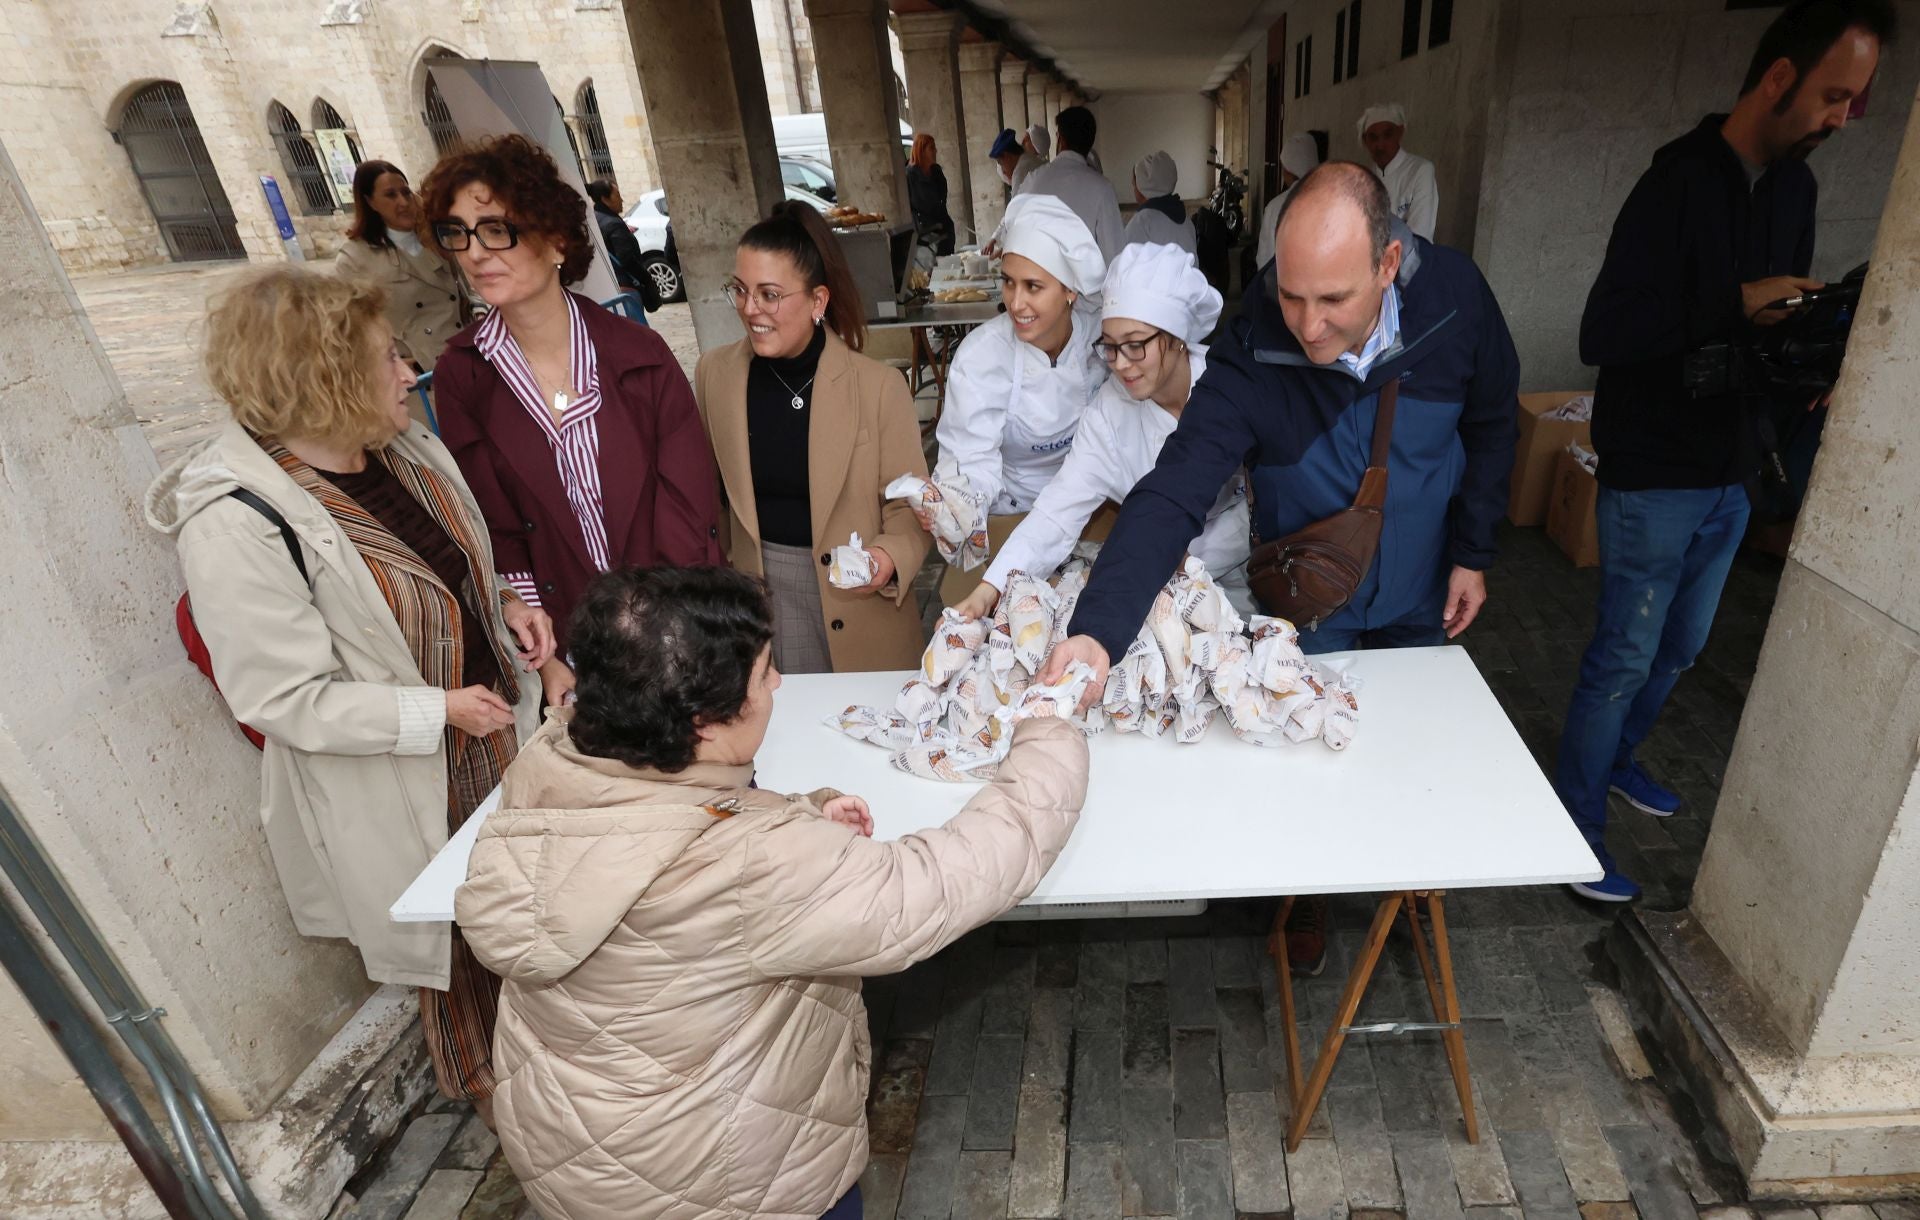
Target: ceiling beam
[994, 29]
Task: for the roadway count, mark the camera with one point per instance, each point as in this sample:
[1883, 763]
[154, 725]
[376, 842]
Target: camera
[1797, 359]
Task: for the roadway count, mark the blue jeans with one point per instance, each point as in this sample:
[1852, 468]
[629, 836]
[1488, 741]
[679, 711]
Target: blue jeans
[848, 1208]
[1664, 557]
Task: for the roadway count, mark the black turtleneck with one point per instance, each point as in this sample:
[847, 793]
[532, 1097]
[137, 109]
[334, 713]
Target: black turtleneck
[777, 442]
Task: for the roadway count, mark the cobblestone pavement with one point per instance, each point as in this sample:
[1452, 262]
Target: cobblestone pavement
[1097, 1069]
[150, 322]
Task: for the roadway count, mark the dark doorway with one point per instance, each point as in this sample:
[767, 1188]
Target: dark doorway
[177, 176]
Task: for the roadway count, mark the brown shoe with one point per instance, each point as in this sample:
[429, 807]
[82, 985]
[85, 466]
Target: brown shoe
[1307, 936]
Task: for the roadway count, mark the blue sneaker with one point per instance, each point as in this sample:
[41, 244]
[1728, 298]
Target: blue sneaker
[1634, 784]
[1614, 887]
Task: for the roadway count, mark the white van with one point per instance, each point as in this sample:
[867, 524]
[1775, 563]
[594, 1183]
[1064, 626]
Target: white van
[805, 135]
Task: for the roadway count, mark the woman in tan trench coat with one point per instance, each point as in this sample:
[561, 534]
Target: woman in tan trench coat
[808, 432]
[384, 250]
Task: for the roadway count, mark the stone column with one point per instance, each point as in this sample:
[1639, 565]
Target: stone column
[127, 768]
[1013, 94]
[706, 101]
[1789, 992]
[1037, 111]
[1056, 102]
[862, 108]
[980, 106]
[930, 44]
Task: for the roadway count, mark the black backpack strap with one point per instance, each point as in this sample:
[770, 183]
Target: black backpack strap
[272, 514]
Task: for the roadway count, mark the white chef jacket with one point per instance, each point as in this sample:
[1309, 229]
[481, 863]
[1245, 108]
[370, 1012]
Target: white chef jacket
[1027, 163]
[1086, 190]
[1269, 220]
[1117, 444]
[1009, 438]
[1158, 228]
[1413, 191]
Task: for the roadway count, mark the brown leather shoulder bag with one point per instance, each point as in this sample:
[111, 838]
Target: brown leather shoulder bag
[1311, 574]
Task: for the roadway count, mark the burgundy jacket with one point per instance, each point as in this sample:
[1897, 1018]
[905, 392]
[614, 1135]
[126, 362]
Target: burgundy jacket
[657, 483]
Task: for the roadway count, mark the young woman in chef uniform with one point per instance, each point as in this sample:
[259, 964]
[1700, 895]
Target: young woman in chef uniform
[1019, 384]
[1157, 307]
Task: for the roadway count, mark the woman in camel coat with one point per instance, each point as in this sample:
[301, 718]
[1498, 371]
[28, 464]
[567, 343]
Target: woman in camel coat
[808, 432]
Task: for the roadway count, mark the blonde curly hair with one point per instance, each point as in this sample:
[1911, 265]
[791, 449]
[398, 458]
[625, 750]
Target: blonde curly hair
[292, 351]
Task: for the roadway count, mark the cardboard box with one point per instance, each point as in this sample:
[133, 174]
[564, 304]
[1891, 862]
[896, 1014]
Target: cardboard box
[1570, 511]
[1533, 455]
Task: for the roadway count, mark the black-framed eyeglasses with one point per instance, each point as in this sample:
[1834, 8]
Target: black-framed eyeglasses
[492, 234]
[1132, 349]
[738, 294]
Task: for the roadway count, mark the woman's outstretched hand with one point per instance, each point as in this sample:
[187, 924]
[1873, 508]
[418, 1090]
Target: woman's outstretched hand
[850, 811]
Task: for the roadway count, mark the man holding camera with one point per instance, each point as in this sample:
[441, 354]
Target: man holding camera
[1716, 234]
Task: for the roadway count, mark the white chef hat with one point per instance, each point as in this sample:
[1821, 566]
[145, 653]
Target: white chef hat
[1382, 112]
[1042, 228]
[1162, 286]
[1300, 154]
[1156, 174]
[1037, 132]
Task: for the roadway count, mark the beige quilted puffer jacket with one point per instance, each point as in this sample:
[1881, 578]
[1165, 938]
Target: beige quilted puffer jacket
[681, 1033]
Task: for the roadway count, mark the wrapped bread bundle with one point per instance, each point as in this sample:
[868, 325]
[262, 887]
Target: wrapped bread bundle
[852, 566]
[1307, 708]
[882, 728]
[1060, 699]
[1029, 606]
[1277, 663]
[951, 649]
[920, 703]
[959, 516]
[1343, 712]
[930, 761]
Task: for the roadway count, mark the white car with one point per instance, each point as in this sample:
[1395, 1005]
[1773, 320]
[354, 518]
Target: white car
[649, 220]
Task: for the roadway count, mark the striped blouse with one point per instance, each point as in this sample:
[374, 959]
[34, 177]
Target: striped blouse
[575, 438]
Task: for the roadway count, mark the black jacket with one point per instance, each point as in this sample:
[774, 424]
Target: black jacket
[1688, 236]
[622, 246]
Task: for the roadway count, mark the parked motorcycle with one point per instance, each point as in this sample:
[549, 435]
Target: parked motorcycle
[1228, 200]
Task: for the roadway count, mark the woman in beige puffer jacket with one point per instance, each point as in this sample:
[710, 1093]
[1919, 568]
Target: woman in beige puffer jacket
[681, 1033]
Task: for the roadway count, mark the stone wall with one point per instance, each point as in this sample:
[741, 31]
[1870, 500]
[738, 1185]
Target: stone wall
[1446, 92]
[1592, 90]
[63, 82]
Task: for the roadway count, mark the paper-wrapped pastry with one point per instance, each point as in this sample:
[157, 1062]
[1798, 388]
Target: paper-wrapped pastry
[882, 728]
[1029, 605]
[852, 566]
[1277, 664]
[1343, 712]
[951, 649]
[959, 516]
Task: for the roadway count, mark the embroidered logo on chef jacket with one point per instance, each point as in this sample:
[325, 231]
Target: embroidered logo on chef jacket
[1053, 446]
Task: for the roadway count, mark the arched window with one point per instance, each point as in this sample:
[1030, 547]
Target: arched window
[593, 133]
[434, 111]
[325, 116]
[163, 142]
[573, 141]
[307, 178]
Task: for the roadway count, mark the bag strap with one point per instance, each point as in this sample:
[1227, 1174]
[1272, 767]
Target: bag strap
[1383, 423]
[272, 514]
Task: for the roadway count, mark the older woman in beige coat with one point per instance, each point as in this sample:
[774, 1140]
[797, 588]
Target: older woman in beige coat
[808, 432]
[370, 643]
[681, 1031]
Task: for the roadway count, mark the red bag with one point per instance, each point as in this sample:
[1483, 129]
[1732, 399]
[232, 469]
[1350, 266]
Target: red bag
[190, 637]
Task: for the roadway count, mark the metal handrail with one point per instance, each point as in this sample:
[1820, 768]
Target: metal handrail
[137, 1022]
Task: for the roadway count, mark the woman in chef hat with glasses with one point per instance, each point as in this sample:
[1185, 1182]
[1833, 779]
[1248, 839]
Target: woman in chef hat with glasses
[1157, 307]
[1019, 384]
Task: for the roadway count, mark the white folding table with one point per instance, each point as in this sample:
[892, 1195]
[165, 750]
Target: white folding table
[1437, 792]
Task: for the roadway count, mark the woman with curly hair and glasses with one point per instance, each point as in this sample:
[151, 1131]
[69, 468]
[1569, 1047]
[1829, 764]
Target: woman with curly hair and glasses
[681, 1032]
[575, 427]
[343, 582]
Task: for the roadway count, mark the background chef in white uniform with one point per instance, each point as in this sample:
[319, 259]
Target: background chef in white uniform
[1071, 178]
[1033, 155]
[1298, 156]
[1409, 179]
[1018, 385]
[1162, 218]
[1155, 309]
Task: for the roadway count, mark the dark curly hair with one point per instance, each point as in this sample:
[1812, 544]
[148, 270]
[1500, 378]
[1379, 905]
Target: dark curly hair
[526, 182]
[658, 652]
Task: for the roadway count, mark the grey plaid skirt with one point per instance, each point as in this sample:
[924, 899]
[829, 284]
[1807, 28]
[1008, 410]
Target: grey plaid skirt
[799, 627]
